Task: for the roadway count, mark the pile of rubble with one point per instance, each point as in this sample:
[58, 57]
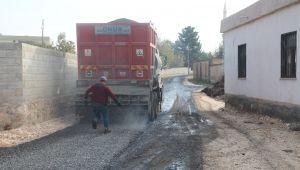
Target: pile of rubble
[216, 89]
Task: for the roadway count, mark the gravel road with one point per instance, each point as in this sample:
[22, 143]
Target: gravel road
[76, 147]
[173, 141]
[181, 138]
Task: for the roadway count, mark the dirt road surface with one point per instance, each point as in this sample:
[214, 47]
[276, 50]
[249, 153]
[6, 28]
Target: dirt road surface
[197, 133]
[247, 140]
[190, 133]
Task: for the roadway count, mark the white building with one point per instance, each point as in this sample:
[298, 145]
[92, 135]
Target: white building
[262, 59]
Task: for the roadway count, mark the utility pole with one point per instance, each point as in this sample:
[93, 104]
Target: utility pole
[188, 60]
[224, 16]
[225, 10]
[43, 33]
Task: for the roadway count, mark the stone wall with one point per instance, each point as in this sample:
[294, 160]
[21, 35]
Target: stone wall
[44, 84]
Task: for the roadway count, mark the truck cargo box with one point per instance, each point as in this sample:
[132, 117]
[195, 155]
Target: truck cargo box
[125, 52]
[121, 50]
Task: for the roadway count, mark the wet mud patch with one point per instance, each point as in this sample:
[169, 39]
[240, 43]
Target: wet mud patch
[174, 141]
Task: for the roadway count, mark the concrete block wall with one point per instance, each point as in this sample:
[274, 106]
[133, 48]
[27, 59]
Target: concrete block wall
[201, 70]
[44, 83]
[49, 79]
[10, 73]
[216, 73]
[209, 70]
[10, 84]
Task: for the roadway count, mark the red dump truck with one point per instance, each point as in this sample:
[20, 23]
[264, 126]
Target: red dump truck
[124, 51]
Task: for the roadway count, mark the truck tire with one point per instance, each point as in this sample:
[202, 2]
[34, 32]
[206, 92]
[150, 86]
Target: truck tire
[155, 102]
[150, 108]
[152, 115]
[159, 100]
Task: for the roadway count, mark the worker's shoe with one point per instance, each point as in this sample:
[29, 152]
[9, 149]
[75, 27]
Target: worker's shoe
[94, 124]
[106, 130]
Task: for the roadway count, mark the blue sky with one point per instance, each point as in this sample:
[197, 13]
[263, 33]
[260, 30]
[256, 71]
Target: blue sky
[24, 17]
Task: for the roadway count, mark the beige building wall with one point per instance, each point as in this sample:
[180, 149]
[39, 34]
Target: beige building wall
[209, 70]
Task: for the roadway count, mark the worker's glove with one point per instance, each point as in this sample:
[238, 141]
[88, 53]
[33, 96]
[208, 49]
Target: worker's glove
[118, 103]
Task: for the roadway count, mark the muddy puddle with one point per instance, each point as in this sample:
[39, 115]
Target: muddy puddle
[174, 141]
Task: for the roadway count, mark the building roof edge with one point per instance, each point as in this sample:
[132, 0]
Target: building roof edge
[254, 12]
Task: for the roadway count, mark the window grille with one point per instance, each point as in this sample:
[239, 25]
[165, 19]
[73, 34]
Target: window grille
[242, 61]
[288, 55]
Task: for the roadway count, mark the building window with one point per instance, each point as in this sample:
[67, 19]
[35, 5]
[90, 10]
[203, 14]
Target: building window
[242, 61]
[288, 55]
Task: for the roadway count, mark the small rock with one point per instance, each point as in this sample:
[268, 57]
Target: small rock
[288, 150]
[294, 126]
[222, 109]
[7, 127]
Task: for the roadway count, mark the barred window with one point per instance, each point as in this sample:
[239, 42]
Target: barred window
[242, 61]
[288, 55]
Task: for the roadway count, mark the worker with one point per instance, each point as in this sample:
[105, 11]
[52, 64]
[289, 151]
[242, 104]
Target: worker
[99, 97]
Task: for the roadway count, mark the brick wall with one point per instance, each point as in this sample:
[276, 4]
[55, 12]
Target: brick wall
[40, 83]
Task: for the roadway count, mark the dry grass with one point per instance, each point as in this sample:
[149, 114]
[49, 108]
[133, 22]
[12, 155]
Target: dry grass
[180, 71]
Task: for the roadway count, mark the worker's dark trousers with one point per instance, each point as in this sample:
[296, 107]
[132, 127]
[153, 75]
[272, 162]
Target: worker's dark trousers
[100, 108]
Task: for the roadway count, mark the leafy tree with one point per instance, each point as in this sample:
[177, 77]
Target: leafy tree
[206, 55]
[164, 60]
[219, 52]
[64, 45]
[188, 45]
[170, 59]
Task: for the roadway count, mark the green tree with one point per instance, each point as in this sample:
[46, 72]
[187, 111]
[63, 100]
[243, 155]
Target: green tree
[219, 52]
[164, 60]
[206, 55]
[170, 59]
[188, 45]
[64, 45]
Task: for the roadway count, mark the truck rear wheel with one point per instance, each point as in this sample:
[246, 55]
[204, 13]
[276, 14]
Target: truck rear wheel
[155, 106]
[152, 115]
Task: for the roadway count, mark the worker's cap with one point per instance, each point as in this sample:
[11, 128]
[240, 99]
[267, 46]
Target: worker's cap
[103, 78]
